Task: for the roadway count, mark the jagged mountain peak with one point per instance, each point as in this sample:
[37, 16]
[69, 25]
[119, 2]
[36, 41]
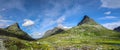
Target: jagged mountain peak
[87, 20]
[86, 17]
[14, 26]
[14, 30]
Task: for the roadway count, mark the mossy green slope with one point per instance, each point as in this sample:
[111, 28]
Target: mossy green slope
[76, 38]
[84, 36]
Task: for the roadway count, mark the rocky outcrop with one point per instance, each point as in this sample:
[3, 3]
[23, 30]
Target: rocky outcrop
[117, 29]
[87, 20]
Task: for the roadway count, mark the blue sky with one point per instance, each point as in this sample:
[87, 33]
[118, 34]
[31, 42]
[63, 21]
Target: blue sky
[37, 16]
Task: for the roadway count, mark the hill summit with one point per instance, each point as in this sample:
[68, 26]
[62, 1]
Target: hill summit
[87, 20]
[15, 31]
[13, 27]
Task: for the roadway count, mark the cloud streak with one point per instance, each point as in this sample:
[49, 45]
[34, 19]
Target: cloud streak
[60, 21]
[112, 25]
[11, 4]
[108, 12]
[59, 12]
[4, 22]
[110, 3]
[108, 17]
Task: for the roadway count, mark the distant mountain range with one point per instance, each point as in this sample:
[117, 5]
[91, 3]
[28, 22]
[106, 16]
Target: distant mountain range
[54, 31]
[87, 35]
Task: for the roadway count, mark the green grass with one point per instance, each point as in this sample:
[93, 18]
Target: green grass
[88, 35]
[91, 37]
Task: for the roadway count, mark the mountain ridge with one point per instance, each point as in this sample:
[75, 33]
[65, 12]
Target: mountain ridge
[14, 26]
[87, 20]
[54, 31]
[15, 31]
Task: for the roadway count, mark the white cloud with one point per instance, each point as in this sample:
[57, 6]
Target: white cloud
[1, 17]
[68, 13]
[3, 25]
[56, 14]
[57, 7]
[112, 25]
[60, 7]
[108, 17]
[108, 13]
[3, 9]
[110, 3]
[67, 27]
[62, 26]
[28, 22]
[18, 4]
[4, 22]
[60, 20]
[36, 35]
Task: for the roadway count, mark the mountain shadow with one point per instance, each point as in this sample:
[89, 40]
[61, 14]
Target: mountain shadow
[117, 29]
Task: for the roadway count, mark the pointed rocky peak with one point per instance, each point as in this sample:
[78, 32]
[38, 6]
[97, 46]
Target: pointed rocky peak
[15, 31]
[15, 26]
[87, 20]
[117, 29]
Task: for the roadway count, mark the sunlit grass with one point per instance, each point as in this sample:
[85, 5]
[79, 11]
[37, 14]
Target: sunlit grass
[80, 37]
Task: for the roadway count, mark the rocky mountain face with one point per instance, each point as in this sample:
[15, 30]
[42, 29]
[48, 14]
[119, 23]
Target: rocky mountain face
[15, 31]
[54, 31]
[117, 29]
[87, 20]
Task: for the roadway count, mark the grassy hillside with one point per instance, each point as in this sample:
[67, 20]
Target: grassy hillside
[88, 35]
[15, 31]
[79, 37]
[83, 37]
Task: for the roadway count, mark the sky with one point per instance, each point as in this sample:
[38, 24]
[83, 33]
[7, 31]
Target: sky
[37, 16]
